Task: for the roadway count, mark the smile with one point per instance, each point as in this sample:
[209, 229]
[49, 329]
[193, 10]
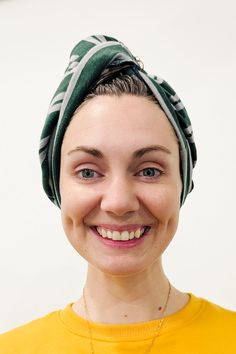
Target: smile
[122, 236]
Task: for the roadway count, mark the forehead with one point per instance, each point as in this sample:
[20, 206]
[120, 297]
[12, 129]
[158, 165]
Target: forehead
[126, 121]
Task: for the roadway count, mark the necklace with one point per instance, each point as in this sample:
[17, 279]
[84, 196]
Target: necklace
[156, 333]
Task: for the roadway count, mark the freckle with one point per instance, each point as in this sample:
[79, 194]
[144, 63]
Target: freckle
[125, 315]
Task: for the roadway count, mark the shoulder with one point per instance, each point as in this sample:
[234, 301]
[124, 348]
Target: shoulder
[28, 337]
[217, 311]
[216, 319]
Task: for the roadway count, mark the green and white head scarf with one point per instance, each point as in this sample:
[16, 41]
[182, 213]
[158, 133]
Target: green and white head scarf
[91, 58]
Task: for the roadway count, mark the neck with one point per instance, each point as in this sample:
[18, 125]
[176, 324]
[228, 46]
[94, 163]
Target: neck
[127, 299]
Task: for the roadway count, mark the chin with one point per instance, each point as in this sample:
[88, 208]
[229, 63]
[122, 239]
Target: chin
[122, 267]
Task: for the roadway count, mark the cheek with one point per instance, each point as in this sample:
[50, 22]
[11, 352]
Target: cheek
[76, 203]
[164, 205]
[163, 202]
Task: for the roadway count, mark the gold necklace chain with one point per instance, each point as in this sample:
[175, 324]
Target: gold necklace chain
[156, 333]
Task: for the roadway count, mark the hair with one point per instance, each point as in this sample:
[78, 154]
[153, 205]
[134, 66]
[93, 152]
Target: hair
[118, 86]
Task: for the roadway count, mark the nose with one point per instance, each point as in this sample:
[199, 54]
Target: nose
[120, 197]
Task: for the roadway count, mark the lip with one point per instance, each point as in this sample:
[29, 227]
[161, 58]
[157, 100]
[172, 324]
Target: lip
[119, 244]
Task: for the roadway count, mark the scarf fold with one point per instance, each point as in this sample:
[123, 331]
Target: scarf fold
[92, 59]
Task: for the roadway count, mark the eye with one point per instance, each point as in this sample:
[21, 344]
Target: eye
[87, 173]
[150, 172]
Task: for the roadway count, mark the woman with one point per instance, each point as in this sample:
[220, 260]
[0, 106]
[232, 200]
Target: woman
[117, 153]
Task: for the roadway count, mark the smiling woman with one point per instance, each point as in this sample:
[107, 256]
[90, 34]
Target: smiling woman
[117, 153]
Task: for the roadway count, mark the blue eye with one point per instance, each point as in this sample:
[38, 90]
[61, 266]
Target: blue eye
[87, 173]
[150, 172]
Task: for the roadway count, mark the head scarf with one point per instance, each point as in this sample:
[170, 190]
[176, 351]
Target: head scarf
[91, 58]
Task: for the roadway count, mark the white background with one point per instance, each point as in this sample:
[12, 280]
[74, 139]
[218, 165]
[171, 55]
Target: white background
[192, 45]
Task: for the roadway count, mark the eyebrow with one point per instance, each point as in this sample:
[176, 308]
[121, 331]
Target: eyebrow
[136, 154]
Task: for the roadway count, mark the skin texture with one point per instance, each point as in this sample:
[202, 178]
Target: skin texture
[121, 190]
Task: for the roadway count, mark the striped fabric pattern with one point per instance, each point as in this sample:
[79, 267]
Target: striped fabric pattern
[88, 60]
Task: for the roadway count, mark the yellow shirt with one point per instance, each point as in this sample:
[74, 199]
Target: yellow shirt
[201, 327]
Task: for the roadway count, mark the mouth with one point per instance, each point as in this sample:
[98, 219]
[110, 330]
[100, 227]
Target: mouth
[121, 236]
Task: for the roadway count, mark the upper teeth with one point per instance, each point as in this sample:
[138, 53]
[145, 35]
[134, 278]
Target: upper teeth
[121, 236]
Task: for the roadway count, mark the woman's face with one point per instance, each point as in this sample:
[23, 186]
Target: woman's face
[119, 178]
